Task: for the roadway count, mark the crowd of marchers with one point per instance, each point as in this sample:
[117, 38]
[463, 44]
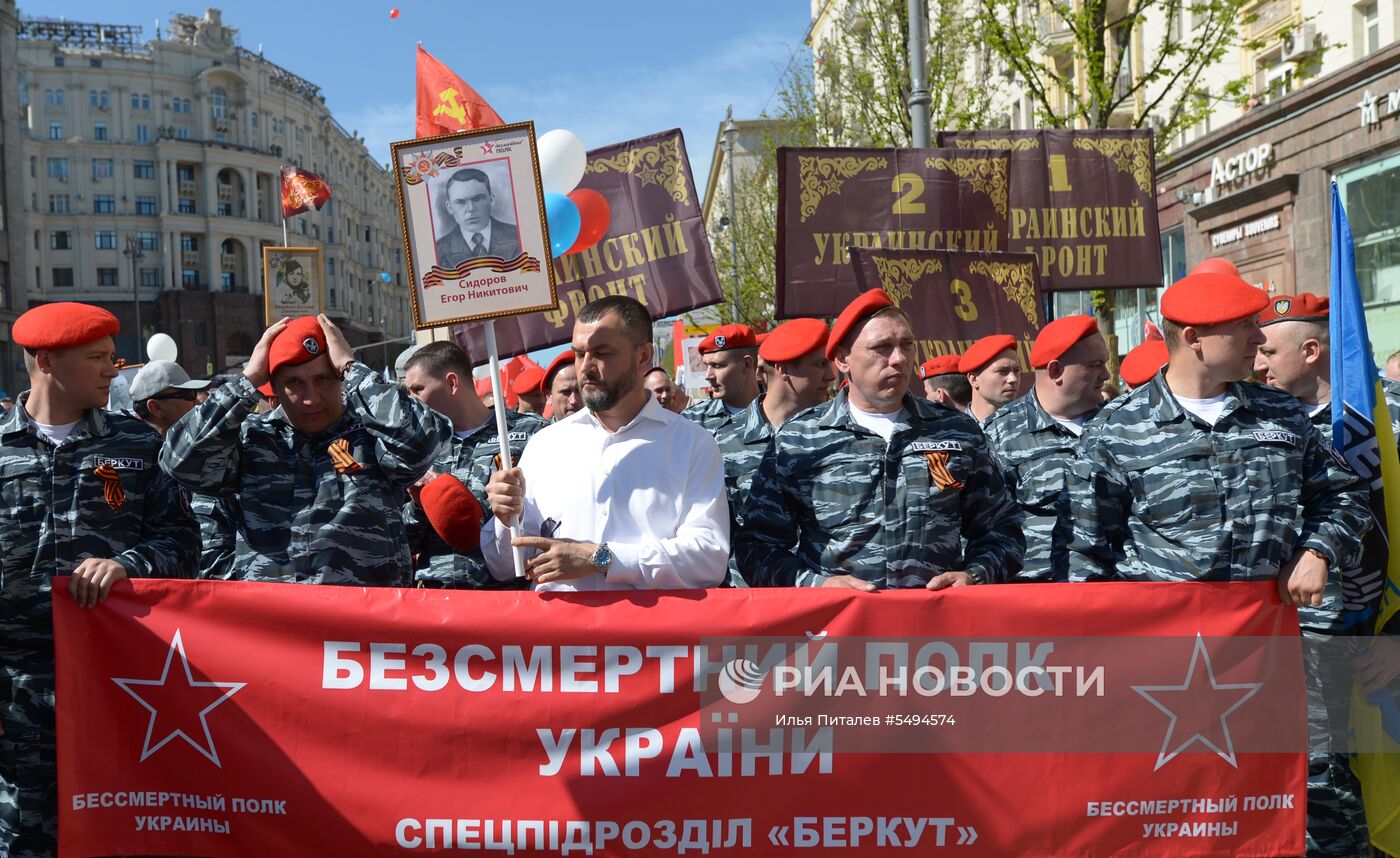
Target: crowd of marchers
[311, 468]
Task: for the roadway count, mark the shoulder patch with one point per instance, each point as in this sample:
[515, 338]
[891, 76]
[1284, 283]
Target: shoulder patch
[120, 464]
[934, 446]
[1276, 435]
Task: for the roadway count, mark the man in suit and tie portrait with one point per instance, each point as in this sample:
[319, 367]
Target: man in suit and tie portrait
[468, 198]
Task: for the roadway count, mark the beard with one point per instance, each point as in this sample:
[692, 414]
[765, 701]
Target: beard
[605, 396]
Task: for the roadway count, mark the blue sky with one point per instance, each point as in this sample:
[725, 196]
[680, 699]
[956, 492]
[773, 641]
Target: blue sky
[608, 71]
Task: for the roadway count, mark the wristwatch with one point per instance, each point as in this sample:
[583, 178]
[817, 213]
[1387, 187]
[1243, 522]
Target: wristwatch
[602, 557]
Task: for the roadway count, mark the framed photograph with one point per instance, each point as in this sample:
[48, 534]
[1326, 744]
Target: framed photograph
[293, 284]
[472, 211]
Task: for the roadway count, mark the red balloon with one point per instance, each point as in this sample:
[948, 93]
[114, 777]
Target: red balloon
[393, 13]
[595, 216]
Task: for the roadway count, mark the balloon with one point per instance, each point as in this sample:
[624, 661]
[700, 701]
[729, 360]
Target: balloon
[161, 347]
[594, 217]
[393, 13]
[563, 218]
[562, 161]
[386, 277]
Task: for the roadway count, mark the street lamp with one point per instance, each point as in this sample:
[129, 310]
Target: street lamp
[133, 252]
[731, 135]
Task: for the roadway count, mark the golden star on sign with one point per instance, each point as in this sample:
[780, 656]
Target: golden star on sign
[648, 175]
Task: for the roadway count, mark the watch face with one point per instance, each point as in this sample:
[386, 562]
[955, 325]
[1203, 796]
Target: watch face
[602, 558]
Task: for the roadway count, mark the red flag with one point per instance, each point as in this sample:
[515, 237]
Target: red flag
[445, 103]
[302, 190]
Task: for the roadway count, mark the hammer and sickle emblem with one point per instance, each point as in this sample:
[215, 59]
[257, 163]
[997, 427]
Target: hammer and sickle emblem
[450, 107]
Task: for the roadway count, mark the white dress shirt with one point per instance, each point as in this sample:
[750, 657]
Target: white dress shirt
[653, 491]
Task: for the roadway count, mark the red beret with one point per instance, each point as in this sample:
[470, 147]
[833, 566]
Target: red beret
[727, 337]
[1216, 265]
[1210, 299]
[300, 342]
[453, 512]
[266, 390]
[528, 381]
[942, 365]
[984, 351]
[62, 325]
[561, 360]
[761, 338]
[791, 340]
[1143, 361]
[1303, 307]
[1059, 337]
[863, 307]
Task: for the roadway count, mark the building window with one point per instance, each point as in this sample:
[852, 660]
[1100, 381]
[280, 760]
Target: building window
[331, 296]
[253, 119]
[201, 334]
[55, 130]
[331, 265]
[143, 169]
[186, 206]
[150, 278]
[106, 239]
[58, 62]
[59, 204]
[140, 101]
[330, 235]
[143, 134]
[185, 105]
[61, 240]
[63, 277]
[92, 98]
[226, 281]
[99, 131]
[145, 205]
[218, 100]
[1368, 28]
[182, 133]
[135, 101]
[184, 172]
[106, 277]
[148, 240]
[58, 169]
[104, 204]
[189, 243]
[94, 64]
[101, 168]
[225, 209]
[1368, 193]
[189, 277]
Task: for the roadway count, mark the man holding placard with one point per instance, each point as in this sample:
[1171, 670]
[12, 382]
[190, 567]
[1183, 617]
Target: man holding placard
[623, 495]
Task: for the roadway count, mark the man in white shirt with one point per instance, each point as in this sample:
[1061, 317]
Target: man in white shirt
[623, 495]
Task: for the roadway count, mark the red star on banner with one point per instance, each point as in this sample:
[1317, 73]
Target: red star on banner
[1201, 713]
[186, 703]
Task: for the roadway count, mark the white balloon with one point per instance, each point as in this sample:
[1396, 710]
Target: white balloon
[562, 161]
[161, 347]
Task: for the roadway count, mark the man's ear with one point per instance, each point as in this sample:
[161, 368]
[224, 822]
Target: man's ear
[453, 382]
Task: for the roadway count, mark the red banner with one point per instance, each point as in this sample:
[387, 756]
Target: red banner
[232, 719]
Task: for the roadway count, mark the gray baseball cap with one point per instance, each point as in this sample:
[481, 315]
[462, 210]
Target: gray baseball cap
[160, 375]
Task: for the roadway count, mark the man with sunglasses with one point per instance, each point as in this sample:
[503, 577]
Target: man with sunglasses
[161, 393]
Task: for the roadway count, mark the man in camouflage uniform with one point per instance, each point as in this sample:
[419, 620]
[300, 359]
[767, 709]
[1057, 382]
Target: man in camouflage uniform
[993, 371]
[83, 496]
[941, 382]
[161, 394]
[1034, 438]
[320, 481]
[1296, 358]
[878, 488]
[1198, 475]
[560, 386]
[440, 375]
[730, 355]
[798, 376]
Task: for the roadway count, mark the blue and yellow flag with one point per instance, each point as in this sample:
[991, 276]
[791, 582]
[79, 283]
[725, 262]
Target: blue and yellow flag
[1361, 432]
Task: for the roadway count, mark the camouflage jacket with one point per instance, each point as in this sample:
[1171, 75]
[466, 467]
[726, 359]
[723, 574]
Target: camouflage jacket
[894, 514]
[712, 414]
[218, 534]
[1159, 496]
[1034, 452]
[742, 443]
[99, 493]
[300, 519]
[472, 460]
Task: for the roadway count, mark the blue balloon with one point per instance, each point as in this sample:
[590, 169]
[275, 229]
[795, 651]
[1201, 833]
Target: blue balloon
[564, 222]
[386, 277]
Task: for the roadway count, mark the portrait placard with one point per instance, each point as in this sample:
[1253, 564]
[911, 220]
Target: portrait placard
[471, 207]
[293, 284]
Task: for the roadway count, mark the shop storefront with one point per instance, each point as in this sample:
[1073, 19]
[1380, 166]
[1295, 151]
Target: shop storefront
[1256, 191]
